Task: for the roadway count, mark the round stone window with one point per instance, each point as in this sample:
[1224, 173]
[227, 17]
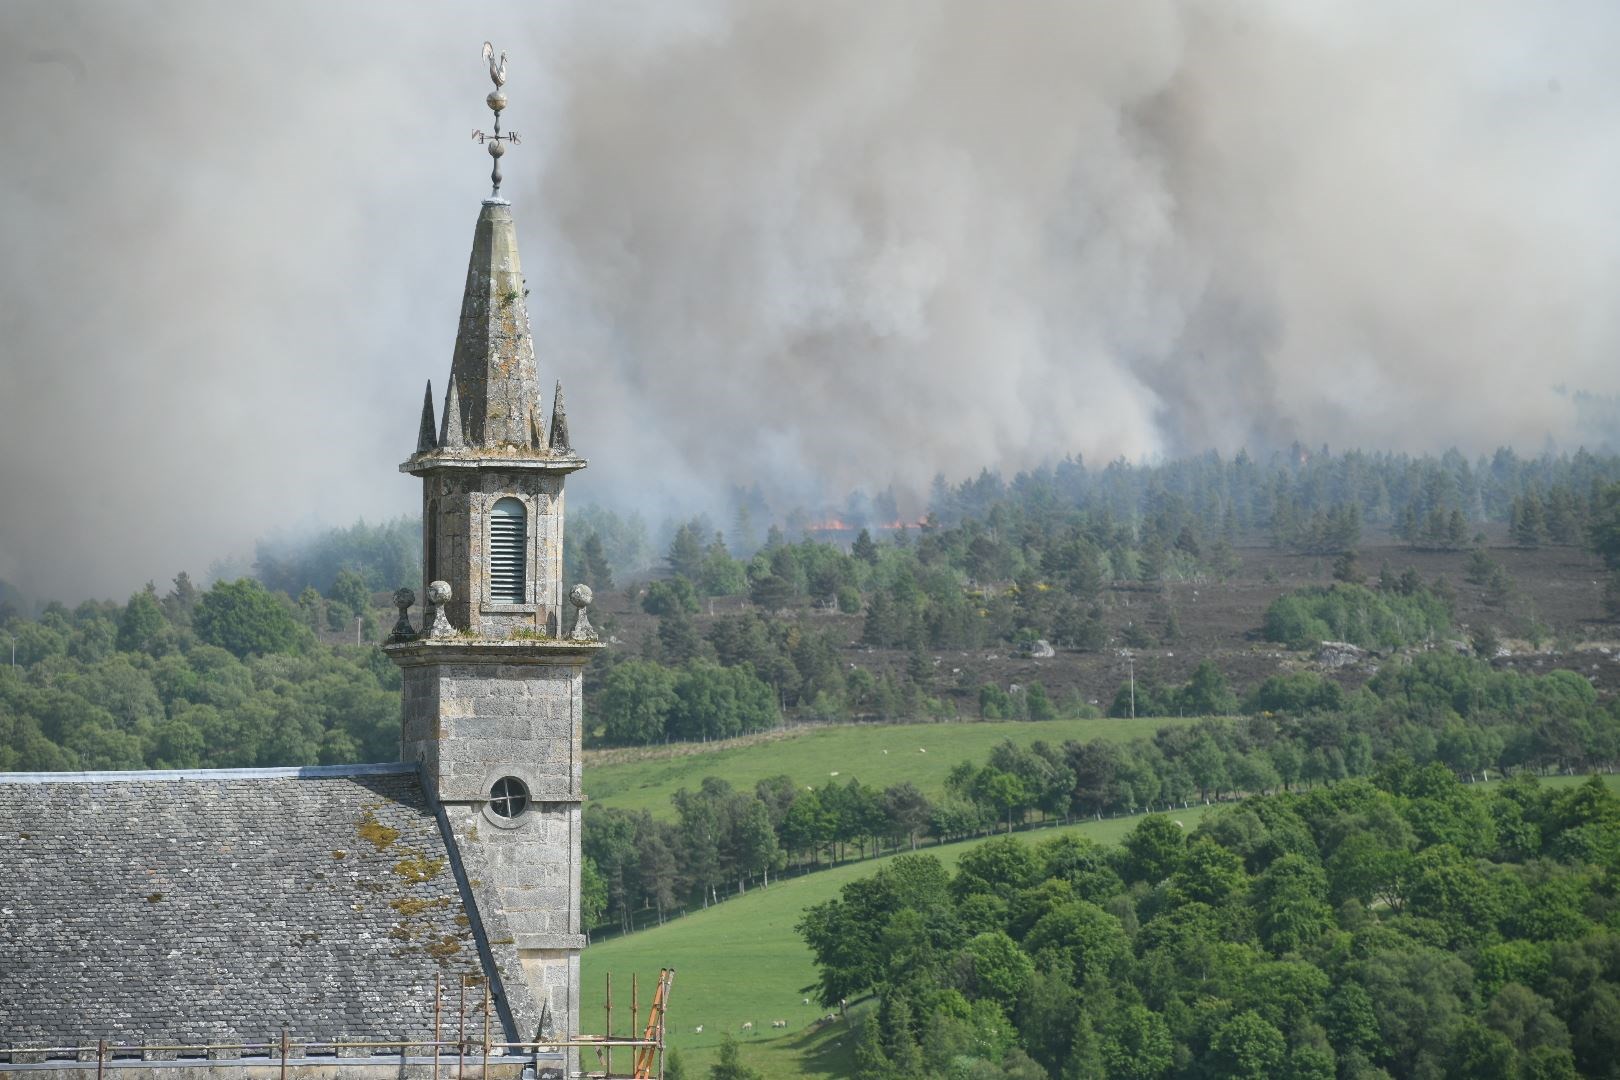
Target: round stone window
[508, 798]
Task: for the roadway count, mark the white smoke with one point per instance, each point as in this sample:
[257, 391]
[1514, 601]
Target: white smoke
[804, 246]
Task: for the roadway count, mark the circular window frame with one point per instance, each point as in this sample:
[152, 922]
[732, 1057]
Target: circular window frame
[500, 792]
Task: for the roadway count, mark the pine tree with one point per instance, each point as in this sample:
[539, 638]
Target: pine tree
[864, 548]
[598, 574]
[730, 1066]
[905, 1057]
[686, 552]
[871, 1063]
[1527, 522]
[1456, 530]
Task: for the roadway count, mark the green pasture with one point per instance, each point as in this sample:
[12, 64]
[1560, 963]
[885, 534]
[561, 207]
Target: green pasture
[876, 754]
[741, 961]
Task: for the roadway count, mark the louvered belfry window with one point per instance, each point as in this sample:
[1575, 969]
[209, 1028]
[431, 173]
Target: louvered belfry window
[506, 535]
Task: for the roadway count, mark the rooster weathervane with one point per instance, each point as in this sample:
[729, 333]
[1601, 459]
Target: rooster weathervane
[494, 140]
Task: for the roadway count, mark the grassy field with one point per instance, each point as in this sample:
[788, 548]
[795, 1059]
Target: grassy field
[741, 961]
[877, 754]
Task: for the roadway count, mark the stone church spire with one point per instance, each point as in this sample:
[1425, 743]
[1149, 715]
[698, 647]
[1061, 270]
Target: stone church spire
[494, 367]
[493, 686]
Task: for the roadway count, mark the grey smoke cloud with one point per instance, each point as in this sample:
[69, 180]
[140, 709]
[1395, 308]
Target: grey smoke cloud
[804, 246]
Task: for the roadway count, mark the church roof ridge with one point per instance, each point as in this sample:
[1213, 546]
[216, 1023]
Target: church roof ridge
[298, 772]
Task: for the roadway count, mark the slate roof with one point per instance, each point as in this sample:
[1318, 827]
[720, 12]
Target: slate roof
[220, 905]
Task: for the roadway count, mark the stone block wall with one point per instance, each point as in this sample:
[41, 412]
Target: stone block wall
[476, 711]
[470, 723]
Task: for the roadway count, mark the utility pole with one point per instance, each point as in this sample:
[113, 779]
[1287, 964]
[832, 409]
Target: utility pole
[1131, 661]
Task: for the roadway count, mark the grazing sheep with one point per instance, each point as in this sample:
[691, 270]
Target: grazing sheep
[698, 1030]
[806, 1001]
[749, 1026]
[1179, 825]
[778, 1023]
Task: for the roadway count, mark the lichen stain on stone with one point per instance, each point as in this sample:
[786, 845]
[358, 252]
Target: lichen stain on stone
[444, 948]
[409, 906]
[380, 836]
[418, 868]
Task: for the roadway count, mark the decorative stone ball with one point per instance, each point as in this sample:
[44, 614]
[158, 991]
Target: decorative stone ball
[404, 598]
[580, 596]
[438, 592]
[496, 147]
[496, 100]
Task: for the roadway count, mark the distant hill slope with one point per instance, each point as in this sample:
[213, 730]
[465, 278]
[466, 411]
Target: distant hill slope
[876, 754]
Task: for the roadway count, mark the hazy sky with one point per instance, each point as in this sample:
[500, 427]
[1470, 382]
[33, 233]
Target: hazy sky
[808, 246]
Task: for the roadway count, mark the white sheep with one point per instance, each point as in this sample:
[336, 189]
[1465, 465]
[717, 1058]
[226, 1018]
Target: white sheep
[778, 1023]
[806, 1001]
[749, 1026]
[698, 1030]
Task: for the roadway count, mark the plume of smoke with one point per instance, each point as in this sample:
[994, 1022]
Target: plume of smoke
[804, 246]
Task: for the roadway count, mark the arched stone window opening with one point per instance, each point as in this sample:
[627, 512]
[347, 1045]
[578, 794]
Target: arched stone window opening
[507, 532]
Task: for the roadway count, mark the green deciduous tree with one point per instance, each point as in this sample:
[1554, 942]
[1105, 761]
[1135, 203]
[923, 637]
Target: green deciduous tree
[143, 627]
[636, 701]
[243, 617]
[1246, 1047]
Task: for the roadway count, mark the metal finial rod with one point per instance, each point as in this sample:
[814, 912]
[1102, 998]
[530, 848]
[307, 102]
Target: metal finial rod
[494, 141]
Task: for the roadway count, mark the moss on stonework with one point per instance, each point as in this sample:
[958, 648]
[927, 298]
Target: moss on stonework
[381, 836]
[418, 868]
[409, 906]
[444, 948]
[339, 854]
